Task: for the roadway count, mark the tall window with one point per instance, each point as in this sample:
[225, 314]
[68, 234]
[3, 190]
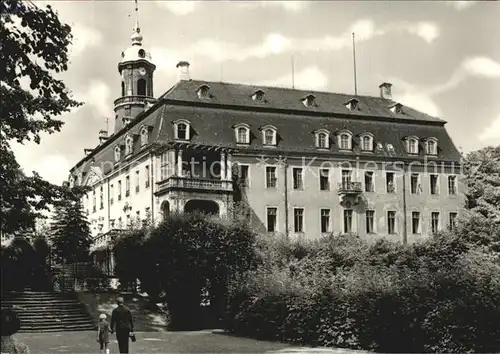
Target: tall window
[345, 142]
[271, 177]
[415, 222]
[347, 221]
[370, 216]
[272, 215]
[129, 145]
[127, 186]
[137, 181]
[369, 187]
[452, 185]
[101, 197]
[434, 222]
[94, 207]
[163, 166]
[412, 146]
[346, 179]
[182, 131]
[325, 220]
[141, 87]
[414, 186]
[144, 136]
[119, 190]
[111, 194]
[298, 219]
[324, 179]
[242, 136]
[431, 147]
[453, 220]
[389, 180]
[297, 178]
[243, 175]
[123, 88]
[391, 222]
[269, 137]
[117, 153]
[434, 184]
[322, 141]
[146, 176]
[366, 143]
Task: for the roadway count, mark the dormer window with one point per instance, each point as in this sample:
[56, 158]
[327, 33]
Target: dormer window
[308, 101]
[182, 129]
[397, 108]
[431, 146]
[117, 153]
[322, 137]
[352, 104]
[203, 91]
[144, 135]
[269, 133]
[366, 142]
[345, 140]
[258, 96]
[412, 145]
[391, 150]
[129, 143]
[242, 132]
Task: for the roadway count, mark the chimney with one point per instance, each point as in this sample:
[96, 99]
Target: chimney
[103, 136]
[385, 90]
[87, 151]
[183, 68]
[148, 103]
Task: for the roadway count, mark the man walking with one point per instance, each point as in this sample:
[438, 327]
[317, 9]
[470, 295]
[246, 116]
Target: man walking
[122, 324]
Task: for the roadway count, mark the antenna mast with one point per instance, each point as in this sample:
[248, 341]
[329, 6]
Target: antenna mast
[293, 74]
[354, 62]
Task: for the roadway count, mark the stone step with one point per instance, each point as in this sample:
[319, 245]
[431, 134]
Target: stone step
[43, 312]
[49, 321]
[40, 303]
[51, 316]
[57, 328]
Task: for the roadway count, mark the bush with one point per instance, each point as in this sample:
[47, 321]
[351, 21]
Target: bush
[438, 296]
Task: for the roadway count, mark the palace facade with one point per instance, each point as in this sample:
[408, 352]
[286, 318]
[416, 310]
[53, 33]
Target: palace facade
[302, 163]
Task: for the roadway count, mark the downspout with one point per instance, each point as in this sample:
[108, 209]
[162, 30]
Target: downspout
[286, 197]
[405, 222]
[151, 176]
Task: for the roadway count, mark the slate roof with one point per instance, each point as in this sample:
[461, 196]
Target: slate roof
[212, 121]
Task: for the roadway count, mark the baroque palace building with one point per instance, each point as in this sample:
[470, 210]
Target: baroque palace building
[304, 163]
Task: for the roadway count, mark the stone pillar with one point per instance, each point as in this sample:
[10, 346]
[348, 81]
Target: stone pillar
[179, 163]
[223, 165]
[229, 171]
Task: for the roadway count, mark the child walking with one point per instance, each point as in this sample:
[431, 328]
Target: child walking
[103, 333]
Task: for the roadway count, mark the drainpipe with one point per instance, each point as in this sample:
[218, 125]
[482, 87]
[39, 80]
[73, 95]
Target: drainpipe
[151, 177]
[405, 222]
[286, 197]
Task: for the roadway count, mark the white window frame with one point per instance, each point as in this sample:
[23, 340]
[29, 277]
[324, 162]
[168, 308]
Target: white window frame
[324, 132]
[434, 151]
[448, 184]
[394, 182]
[374, 231]
[144, 132]
[373, 181]
[395, 221]
[269, 128]
[397, 108]
[309, 100]
[203, 91]
[276, 229]
[129, 145]
[330, 229]
[420, 221]
[258, 96]
[275, 176]
[437, 183]
[438, 228]
[236, 131]
[303, 220]
[409, 140]
[370, 142]
[349, 140]
[249, 179]
[352, 104]
[188, 129]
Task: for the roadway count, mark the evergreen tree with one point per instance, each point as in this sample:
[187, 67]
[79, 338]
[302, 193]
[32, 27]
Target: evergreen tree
[71, 233]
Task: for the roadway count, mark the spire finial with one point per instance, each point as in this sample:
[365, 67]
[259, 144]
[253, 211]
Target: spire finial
[136, 36]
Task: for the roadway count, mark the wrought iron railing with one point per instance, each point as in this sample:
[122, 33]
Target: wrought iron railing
[350, 187]
[204, 184]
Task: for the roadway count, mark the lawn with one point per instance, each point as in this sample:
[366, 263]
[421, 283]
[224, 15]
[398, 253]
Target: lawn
[160, 342]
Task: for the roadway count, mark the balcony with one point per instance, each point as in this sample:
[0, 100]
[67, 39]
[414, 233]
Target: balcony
[130, 99]
[352, 188]
[195, 184]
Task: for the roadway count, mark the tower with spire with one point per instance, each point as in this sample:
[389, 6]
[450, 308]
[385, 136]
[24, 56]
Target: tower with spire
[136, 70]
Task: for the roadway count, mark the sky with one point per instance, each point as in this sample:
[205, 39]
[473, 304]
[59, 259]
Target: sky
[443, 58]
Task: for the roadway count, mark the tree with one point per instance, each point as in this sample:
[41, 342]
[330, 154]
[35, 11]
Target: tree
[71, 233]
[34, 46]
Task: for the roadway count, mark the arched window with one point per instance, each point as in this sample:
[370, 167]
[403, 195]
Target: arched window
[123, 88]
[242, 132]
[412, 145]
[144, 136]
[117, 153]
[431, 147]
[141, 87]
[268, 135]
[366, 142]
[345, 141]
[129, 141]
[242, 135]
[181, 131]
[322, 139]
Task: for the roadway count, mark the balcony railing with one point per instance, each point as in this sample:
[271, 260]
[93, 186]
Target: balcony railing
[350, 188]
[130, 99]
[200, 184]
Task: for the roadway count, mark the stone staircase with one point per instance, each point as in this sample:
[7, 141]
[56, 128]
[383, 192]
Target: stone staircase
[48, 311]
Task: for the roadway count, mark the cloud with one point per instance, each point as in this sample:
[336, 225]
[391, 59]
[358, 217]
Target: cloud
[291, 6]
[181, 8]
[491, 134]
[461, 5]
[310, 78]
[83, 38]
[97, 96]
[425, 30]
[415, 97]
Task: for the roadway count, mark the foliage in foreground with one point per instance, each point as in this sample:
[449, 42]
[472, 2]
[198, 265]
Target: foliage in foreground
[439, 296]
